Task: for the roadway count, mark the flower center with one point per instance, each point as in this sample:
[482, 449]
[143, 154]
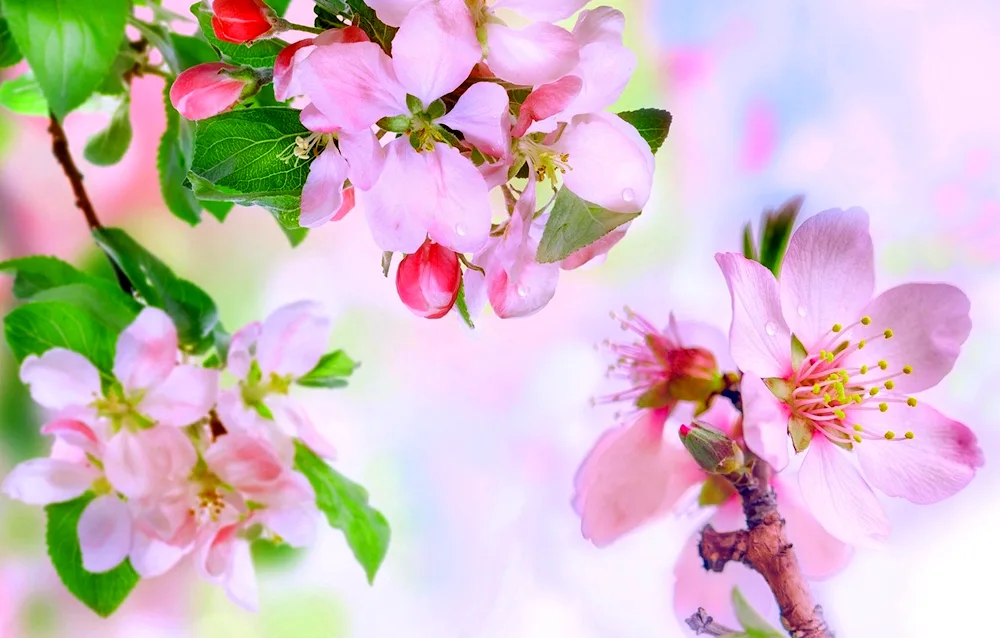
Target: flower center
[305, 147]
[827, 388]
[547, 163]
[121, 409]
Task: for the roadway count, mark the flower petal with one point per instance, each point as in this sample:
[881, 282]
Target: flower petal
[600, 24]
[365, 157]
[286, 85]
[183, 397]
[105, 533]
[537, 54]
[248, 463]
[294, 421]
[546, 101]
[295, 525]
[760, 341]
[323, 192]
[241, 580]
[765, 422]
[75, 433]
[629, 477]
[43, 481]
[936, 463]
[151, 557]
[146, 351]
[61, 379]
[820, 554]
[599, 248]
[293, 339]
[314, 120]
[838, 497]
[610, 164]
[392, 12]
[828, 274]
[354, 85]
[482, 115]
[548, 11]
[531, 290]
[435, 49]
[239, 356]
[128, 464]
[929, 324]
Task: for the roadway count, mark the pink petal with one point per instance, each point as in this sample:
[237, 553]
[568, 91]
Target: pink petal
[105, 532]
[537, 54]
[293, 339]
[241, 580]
[435, 49]
[146, 351]
[128, 461]
[482, 115]
[820, 554]
[61, 379]
[323, 192]
[75, 433]
[547, 10]
[546, 101]
[760, 341]
[630, 477]
[939, 461]
[240, 355]
[699, 334]
[248, 463]
[295, 525]
[294, 421]
[765, 422]
[929, 322]
[43, 481]
[392, 12]
[151, 557]
[474, 283]
[610, 164]
[721, 414]
[601, 24]
[314, 120]
[599, 248]
[532, 289]
[354, 85]
[286, 85]
[347, 206]
[347, 35]
[183, 397]
[828, 274]
[838, 497]
[695, 587]
[365, 157]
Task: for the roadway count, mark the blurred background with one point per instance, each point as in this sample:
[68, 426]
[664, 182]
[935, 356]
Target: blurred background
[469, 440]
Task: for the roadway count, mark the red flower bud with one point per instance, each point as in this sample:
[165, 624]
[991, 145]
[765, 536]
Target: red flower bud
[427, 281]
[211, 88]
[240, 21]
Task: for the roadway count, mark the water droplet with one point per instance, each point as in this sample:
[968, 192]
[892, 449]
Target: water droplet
[628, 195]
[460, 230]
[770, 328]
[802, 311]
[522, 291]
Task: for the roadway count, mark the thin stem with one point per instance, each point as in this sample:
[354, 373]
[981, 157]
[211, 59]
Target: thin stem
[703, 624]
[300, 27]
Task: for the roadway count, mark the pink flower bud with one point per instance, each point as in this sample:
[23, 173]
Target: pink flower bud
[712, 449]
[211, 88]
[428, 280]
[240, 21]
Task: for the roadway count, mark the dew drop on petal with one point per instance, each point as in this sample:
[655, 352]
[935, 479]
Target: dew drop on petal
[770, 328]
[522, 291]
[628, 195]
[802, 311]
[460, 230]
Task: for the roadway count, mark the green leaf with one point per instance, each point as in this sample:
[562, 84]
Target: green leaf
[37, 327]
[752, 622]
[259, 54]
[378, 31]
[327, 11]
[173, 159]
[653, 125]
[70, 46]
[9, 53]
[104, 592]
[463, 305]
[345, 505]
[749, 246]
[776, 231]
[191, 309]
[236, 159]
[279, 6]
[37, 273]
[114, 309]
[575, 224]
[24, 96]
[191, 51]
[110, 145]
[295, 235]
[330, 371]
[219, 210]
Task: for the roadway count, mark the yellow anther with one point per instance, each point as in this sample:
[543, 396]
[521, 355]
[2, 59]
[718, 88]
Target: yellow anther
[857, 438]
[883, 364]
[816, 388]
[865, 321]
[822, 354]
[882, 407]
[864, 369]
[837, 327]
[911, 402]
[890, 384]
[909, 435]
[858, 428]
[843, 375]
[858, 399]
[888, 333]
[873, 391]
[907, 369]
[829, 357]
[839, 414]
[890, 435]
[826, 397]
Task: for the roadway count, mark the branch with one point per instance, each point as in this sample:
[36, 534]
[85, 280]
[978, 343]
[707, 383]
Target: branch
[764, 547]
[701, 623]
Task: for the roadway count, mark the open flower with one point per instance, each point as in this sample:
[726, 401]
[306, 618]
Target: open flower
[836, 369]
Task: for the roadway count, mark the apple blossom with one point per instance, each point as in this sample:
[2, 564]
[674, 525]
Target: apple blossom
[428, 280]
[834, 368]
[241, 21]
[211, 88]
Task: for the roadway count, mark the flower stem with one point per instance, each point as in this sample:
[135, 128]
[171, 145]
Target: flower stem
[291, 26]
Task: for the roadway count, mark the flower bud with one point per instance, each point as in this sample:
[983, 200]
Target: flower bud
[427, 281]
[240, 21]
[715, 452]
[212, 88]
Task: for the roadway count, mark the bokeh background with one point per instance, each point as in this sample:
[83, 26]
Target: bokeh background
[469, 440]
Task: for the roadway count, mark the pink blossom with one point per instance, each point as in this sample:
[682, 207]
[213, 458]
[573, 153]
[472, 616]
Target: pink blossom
[428, 280]
[846, 389]
[241, 21]
[209, 89]
[267, 358]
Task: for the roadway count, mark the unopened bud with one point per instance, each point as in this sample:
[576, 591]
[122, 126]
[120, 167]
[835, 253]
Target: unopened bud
[241, 21]
[428, 280]
[714, 452]
[214, 87]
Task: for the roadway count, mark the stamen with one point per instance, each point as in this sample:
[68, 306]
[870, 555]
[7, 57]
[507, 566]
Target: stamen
[882, 407]
[861, 344]
[883, 364]
[907, 369]
[890, 435]
[858, 427]
[873, 391]
[888, 333]
[837, 327]
[911, 402]
[909, 435]
[864, 369]
[890, 384]
[866, 320]
[857, 438]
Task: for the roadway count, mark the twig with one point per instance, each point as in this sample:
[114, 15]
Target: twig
[764, 547]
[703, 624]
[60, 149]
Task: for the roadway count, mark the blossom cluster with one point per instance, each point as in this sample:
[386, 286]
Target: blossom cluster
[174, 463]
[822, 371]
[420, 131]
